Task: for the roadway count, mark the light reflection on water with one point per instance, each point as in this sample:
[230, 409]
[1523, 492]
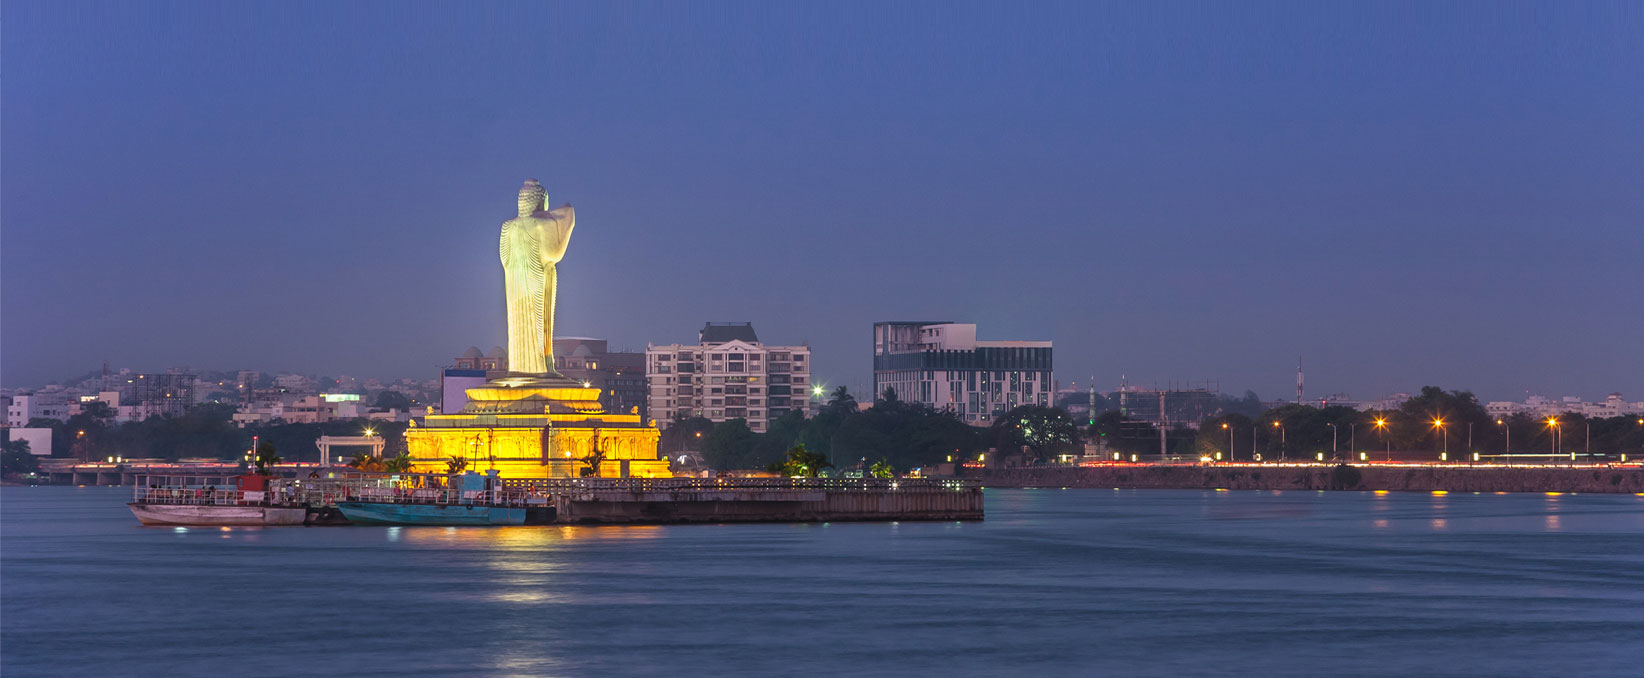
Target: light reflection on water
[1053, 583]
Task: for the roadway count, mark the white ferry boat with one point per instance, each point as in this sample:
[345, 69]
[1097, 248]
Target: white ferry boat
[246, 500]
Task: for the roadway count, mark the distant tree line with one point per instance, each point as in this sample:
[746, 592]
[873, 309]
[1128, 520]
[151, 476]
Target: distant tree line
[905, 435]
[205, 431]
[890, 434]
[1421, 424]
[900, 435]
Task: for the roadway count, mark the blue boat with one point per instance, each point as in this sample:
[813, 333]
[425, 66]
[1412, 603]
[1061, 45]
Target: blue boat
[471, 499]
[373, 513]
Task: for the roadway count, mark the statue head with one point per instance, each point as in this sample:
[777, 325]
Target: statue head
[531, 198]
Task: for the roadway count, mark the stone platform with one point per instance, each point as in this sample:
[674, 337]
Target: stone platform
[732, 500]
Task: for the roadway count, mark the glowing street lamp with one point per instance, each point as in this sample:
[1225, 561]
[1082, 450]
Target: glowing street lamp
[1507, 451]
[1438, 423]
[1552, 423]
[1229, 430]
[1280, 427]
[1381, 427]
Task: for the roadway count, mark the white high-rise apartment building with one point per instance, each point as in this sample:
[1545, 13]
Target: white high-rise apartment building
[727, 375]
[941, 364]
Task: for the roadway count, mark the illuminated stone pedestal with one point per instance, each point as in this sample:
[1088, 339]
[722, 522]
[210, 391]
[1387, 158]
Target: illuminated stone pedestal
[537, 427]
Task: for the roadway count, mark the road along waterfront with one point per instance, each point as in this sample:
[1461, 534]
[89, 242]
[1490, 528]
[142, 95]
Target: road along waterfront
[1617, 479]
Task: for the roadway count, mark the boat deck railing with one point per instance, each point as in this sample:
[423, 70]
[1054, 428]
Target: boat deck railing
[200, 496]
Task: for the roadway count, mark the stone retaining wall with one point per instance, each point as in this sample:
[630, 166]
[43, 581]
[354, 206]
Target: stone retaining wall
[1454, 479]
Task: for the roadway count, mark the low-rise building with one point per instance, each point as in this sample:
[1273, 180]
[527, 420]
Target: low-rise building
[36, 405]
[1613, 405]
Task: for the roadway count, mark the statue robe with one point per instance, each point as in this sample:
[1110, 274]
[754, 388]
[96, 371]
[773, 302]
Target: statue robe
[530, 247]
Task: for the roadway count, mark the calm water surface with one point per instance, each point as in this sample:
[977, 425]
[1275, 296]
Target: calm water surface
[1055, 582]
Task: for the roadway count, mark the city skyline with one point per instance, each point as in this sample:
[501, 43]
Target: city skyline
[1435, 206]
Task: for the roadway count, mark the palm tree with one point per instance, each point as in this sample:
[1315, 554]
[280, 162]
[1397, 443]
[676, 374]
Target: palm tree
[369, 463]
[398, 464]
[456, 465]
[842, 401]
[265, 458]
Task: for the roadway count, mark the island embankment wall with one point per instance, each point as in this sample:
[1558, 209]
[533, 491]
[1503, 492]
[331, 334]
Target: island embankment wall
[1628, 479]
[766, 505]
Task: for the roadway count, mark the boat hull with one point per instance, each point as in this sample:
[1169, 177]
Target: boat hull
[211, 516]
[371, 513]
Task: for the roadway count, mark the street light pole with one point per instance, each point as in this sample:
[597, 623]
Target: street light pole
[1552, 424]
[1381, 427]
[1439, 424]
[1333, 451]
[1229, 441]
[1507, 451]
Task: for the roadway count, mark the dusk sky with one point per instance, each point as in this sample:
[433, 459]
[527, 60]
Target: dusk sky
[1401, 194]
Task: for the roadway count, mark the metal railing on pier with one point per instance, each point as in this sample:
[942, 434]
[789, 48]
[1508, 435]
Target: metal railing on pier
[552, 485]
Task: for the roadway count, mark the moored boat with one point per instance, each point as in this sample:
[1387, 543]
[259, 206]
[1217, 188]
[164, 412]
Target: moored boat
[460, 500]
[373, 513]
[251, 500]
[201, 515]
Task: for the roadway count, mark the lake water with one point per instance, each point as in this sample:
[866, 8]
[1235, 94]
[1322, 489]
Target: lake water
[1053, 583]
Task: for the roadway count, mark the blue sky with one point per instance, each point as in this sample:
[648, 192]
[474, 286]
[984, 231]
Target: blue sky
[1404, 194]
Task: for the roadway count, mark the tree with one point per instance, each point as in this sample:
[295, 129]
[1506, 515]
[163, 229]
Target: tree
[801, 463]
[1415, 427]
[782, 434]
[400, 463]
[882, 469]
[1043, 430]
[729, 445]
[393, 400]
[17, 459]
[97, 410]
[266, 458]
[841, 402]
[685, 435]
[369, 463]
[456, 464]
[1213, 438]
[1250, 405]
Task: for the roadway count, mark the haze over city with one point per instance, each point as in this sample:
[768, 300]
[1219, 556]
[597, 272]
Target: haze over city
[1402, 195]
